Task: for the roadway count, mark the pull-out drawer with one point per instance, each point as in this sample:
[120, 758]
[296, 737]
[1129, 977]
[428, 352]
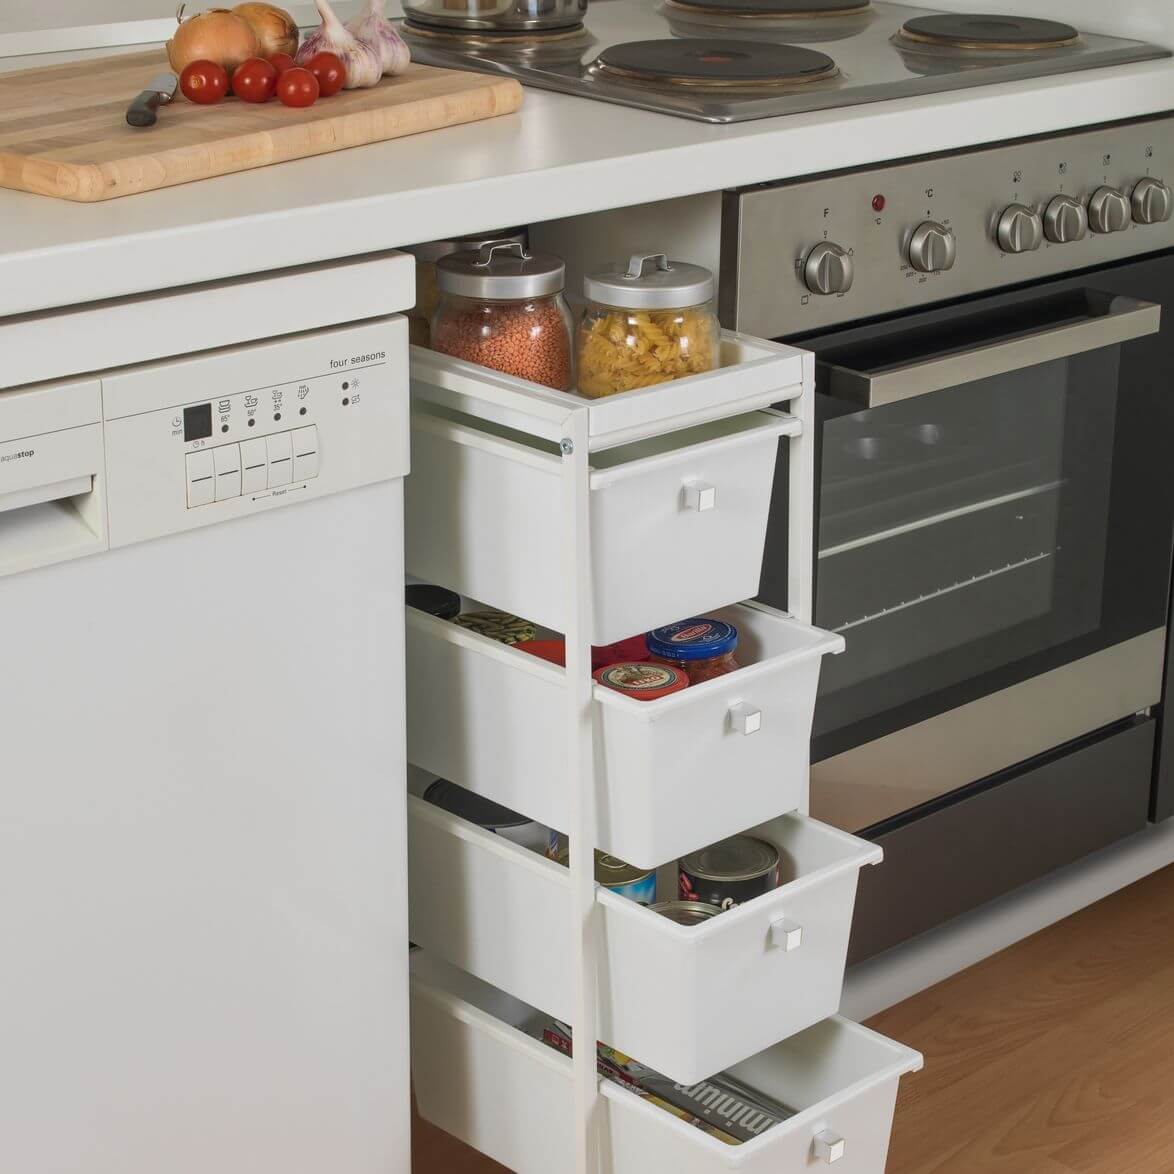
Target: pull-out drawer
[678, 519]
[685, 1000]
[481, 1074]
[672, 775]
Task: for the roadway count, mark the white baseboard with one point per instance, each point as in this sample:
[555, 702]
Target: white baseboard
[895, 975]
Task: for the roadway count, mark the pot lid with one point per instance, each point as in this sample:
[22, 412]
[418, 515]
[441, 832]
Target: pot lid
[649, 281]
[500, 269]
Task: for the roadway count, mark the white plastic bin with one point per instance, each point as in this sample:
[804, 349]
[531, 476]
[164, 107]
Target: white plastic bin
[479, 1074]
[679, 518]
[672, 775]
[686, 1000]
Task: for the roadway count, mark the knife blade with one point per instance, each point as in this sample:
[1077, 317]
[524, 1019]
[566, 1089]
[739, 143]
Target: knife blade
[160, 91]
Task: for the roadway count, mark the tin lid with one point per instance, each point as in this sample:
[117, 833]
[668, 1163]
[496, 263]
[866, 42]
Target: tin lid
[501, 270]
[685, 912]
[737, 859]
[436, 601]
[649, 281]
[610, 871]
[643, 681]
[697, 639]
[468, 805]
[431, 251]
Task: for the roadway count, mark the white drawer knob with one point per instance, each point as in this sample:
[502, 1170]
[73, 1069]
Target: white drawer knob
[785, 934]
[828, 1147]
[745, 719]
[700, 496]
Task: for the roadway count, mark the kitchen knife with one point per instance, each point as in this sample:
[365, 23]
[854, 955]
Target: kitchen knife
[143, 109]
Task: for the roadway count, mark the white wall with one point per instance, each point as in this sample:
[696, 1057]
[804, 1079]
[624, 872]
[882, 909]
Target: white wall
[1147, 20]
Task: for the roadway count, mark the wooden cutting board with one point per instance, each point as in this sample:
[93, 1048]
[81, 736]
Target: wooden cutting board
[63, 129]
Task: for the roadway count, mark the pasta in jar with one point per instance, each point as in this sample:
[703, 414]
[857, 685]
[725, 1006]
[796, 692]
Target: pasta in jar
[646, 326]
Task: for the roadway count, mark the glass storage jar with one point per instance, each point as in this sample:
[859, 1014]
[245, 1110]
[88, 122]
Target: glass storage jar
[420, 315]
[503, 307]
[702, 648]
[648, 323]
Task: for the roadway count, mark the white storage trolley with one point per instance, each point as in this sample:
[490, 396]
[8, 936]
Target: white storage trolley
[598, 520]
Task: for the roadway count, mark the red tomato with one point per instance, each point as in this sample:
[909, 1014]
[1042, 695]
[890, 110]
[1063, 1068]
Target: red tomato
[330, 72]
[204, 82]
[297, 87]
[281, 62]
[254, 80]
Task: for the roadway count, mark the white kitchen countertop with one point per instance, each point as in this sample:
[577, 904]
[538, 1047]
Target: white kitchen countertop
[558, 156]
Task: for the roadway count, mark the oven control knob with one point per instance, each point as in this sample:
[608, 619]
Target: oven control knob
[828, 270]
[932, 248]
[1153, 202]
[1108, 211]
[1065, 220]
[1020, 229]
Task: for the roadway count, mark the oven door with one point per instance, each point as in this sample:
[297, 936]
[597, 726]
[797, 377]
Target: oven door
[993, 535]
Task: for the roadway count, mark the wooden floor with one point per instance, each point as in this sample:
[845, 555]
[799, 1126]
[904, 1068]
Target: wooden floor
[1053, 1057]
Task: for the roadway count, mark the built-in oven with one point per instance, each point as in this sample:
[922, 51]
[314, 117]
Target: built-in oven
[994, 520]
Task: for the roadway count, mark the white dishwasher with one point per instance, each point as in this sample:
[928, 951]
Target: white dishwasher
[202, 847]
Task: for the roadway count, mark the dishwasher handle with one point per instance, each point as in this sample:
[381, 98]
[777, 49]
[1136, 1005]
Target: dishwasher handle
[1124, 319]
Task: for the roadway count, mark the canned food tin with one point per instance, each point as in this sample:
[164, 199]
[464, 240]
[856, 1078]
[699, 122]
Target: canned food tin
[729, 872]
[685, 912]
[489, 815]
[621, 878]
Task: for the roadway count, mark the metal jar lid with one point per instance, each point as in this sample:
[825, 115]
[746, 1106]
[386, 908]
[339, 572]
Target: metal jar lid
[737, 859]
[685, 912]
[502, 271]
[666, 285]
[471, 806]
[431, 251]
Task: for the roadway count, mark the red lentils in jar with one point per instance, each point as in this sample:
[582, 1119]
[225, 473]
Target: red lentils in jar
[503, 308]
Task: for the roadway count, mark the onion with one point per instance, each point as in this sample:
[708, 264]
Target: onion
[216, 35]
[275, 28]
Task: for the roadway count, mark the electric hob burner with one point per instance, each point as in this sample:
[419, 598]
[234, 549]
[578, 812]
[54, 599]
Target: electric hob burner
[981, 33]
[714, 65]
[774, 9]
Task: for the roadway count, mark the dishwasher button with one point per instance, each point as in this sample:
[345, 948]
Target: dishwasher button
[305, 453]
[254, 466]
[228, 471]
[201, 478]
[280, 459]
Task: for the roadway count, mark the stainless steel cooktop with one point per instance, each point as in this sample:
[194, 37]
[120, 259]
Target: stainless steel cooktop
[736, 60]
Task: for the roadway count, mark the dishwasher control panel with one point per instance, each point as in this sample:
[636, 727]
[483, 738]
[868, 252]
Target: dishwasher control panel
[218, 435]
[252, 467]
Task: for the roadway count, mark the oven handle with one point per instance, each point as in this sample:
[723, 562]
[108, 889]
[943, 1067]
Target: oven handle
[1125, 319]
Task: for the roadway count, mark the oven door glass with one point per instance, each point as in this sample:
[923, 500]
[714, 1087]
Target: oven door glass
[993, 501]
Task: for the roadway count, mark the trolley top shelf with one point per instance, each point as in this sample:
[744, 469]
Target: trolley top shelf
[754, 374]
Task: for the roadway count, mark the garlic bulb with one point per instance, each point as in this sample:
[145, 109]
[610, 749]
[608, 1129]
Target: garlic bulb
[364, 65]
[374, 28]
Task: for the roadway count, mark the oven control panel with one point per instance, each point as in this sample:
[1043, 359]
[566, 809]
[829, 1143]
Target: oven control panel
[814, 253]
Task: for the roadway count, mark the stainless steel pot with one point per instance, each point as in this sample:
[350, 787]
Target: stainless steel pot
[500, 16]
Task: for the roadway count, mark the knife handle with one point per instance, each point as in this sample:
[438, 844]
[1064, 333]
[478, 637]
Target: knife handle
[142, 111]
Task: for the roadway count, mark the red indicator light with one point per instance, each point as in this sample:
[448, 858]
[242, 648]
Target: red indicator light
[878, 203]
